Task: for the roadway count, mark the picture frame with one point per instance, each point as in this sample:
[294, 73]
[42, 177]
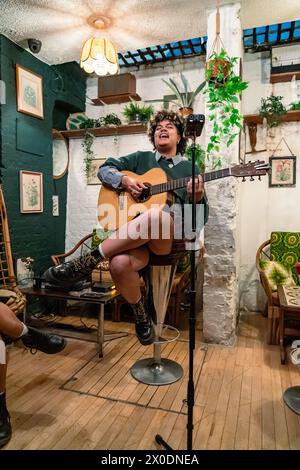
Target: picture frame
[60, 155]
[92, 178]
[29, 92]
[282, 172]
[31, 192]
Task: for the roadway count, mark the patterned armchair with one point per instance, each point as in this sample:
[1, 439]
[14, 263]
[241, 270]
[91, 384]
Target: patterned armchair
[275, 261]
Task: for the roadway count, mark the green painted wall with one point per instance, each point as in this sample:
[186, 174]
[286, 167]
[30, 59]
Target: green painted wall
[26, 144]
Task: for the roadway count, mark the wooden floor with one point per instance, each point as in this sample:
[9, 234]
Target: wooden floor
[238, 398]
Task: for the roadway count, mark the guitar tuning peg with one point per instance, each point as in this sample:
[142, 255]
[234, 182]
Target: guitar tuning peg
[244, 179]
[251, 179]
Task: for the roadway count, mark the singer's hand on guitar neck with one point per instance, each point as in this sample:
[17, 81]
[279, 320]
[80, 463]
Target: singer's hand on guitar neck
[133, 186]
[199, 188]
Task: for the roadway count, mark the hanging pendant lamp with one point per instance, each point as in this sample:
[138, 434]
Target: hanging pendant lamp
[99, 55]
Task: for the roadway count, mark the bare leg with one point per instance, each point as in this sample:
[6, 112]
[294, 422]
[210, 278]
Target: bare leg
[155, 228]
[124, 269]
[9, 323]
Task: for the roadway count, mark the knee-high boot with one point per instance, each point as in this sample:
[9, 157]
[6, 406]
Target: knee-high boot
[5, 426]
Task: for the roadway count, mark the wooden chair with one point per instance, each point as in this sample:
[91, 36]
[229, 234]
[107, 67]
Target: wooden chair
[16, 301]
[273, 300]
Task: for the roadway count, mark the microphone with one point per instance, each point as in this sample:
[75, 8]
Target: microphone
[193, 125]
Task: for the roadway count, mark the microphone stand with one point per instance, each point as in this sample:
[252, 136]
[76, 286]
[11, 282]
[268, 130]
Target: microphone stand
[194, 132]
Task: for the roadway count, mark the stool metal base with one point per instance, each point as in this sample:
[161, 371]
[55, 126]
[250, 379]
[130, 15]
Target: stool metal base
[291, 398]
[150, 372]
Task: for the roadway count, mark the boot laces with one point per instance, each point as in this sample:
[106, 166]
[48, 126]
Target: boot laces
[83, 262]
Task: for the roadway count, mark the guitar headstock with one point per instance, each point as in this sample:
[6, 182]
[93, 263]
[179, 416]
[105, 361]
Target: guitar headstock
[258, 168]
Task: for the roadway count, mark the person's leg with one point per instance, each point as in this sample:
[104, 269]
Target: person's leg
[5, 426]
[154, 227]
[124, 269]
[32, 338]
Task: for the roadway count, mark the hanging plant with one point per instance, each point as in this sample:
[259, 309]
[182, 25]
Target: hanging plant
[223, 96]
[273, 110]
[87, 145]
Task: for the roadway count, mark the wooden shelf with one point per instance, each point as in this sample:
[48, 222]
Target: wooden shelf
[257, 119]
[106, 131]
[116, 99]
[284, 77]
[251, 120]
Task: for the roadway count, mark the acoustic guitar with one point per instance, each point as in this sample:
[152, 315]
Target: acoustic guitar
[116, 208]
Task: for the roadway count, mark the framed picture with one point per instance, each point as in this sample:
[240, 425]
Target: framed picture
[92, 176]
[60, 155]
[29, 92]
[283, 171]
[31, 192]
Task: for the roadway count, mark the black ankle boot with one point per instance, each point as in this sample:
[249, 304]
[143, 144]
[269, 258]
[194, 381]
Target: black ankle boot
[143, 323]
[37, 339]
[5, 426]
[66, 274]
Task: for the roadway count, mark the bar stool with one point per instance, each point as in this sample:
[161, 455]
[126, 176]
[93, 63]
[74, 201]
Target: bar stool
[158, 277]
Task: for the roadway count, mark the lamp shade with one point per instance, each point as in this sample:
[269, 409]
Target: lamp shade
[99, 56]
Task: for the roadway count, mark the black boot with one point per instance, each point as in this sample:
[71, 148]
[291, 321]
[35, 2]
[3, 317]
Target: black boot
[67, 274]
[143, 323]
[5, 426]
[37, 339]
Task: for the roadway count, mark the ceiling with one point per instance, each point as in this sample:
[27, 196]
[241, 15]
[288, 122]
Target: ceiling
[62, 25]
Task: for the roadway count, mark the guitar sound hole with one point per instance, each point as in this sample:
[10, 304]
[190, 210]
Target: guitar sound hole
[145, 195]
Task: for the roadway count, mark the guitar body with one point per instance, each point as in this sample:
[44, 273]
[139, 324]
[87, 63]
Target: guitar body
[116, 208]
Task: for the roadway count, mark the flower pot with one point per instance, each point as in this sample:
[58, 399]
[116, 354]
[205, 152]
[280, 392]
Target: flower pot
[215, 67]
[137, 119]
[185, 111]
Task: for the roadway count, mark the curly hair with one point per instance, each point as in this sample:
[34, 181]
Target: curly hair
[173, 117]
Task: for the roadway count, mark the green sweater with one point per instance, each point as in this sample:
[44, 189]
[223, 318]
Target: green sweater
[140, 162]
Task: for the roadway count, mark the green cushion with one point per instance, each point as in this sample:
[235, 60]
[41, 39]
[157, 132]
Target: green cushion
[285, 248]
[277, 274]
[98, 236]
[184, 263]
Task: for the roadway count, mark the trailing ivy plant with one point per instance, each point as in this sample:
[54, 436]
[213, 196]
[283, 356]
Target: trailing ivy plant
[87, 145]
[273, 110]
[223, 96]
[88, 139]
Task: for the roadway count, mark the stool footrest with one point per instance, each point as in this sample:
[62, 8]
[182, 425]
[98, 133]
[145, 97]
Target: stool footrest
[151, 372]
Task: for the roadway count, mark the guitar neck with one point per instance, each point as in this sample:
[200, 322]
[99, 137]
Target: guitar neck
[182, 182]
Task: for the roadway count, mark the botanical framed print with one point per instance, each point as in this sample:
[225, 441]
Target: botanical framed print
[60, 155]
[283, 171]
[31, 192]
[92, 177]
[29, 92]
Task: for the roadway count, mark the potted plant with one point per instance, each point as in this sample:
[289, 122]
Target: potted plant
[185, 98]
[219, 66]
[135, 112]
[223, 95]
[199, 156]
[273, 110]
[295, 106]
